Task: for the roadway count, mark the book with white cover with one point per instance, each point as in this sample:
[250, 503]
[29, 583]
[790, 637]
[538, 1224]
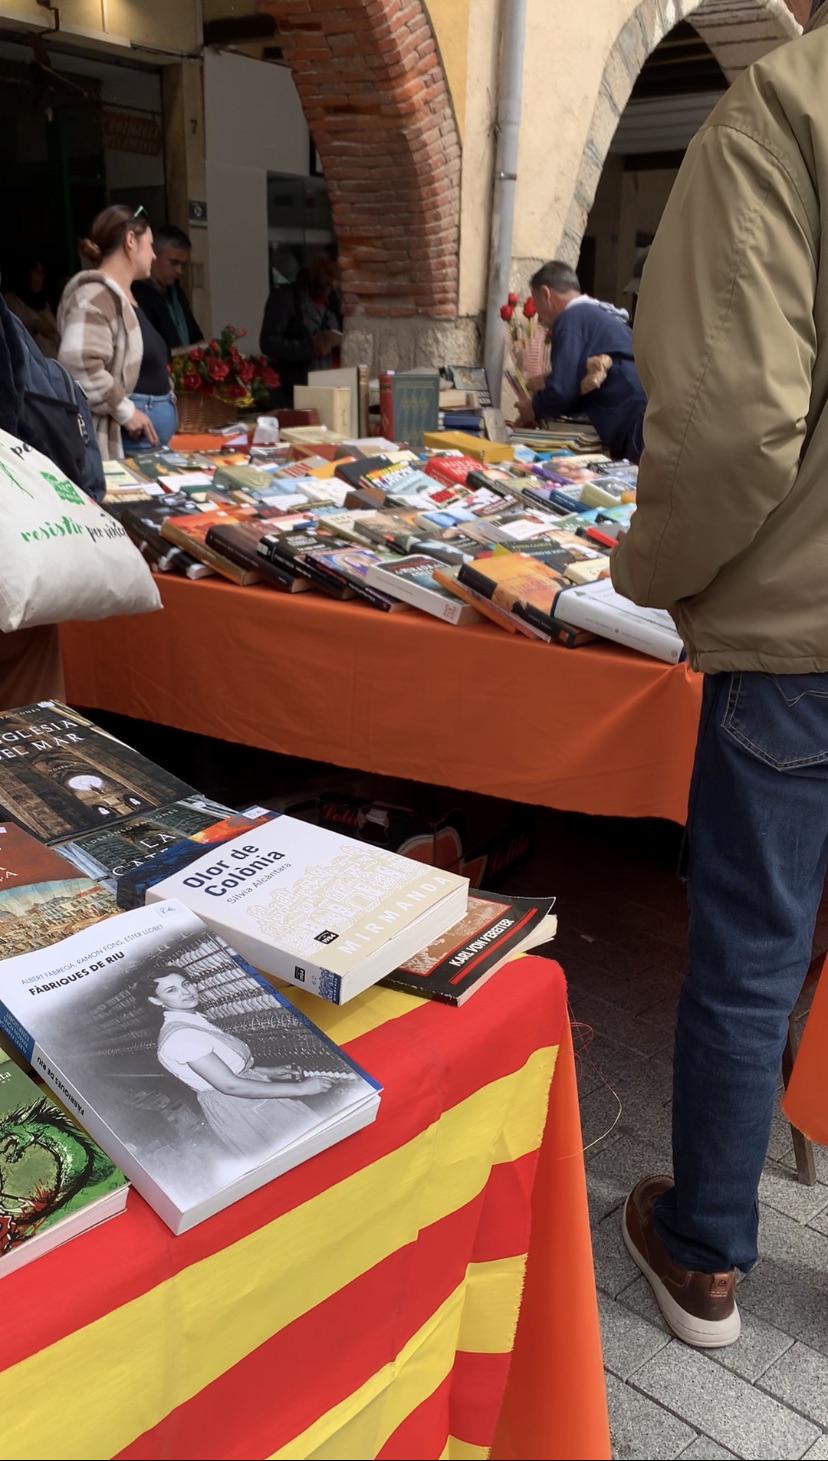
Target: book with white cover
[195, 1076]
[411, 580]
[332, 402]
[316, 908]
[342, 375]
[598, 607]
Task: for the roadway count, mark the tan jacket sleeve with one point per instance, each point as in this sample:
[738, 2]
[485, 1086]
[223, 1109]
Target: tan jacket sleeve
[725, 343]
[87, 350]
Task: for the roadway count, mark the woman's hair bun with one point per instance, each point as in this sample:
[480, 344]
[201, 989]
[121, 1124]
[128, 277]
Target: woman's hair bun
[90, 251]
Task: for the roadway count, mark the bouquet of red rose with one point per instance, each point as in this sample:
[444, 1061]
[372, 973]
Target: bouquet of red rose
[528, 340]
[220, 369]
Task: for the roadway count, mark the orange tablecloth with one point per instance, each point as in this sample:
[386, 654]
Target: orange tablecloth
[363, 1305]
[599, 729]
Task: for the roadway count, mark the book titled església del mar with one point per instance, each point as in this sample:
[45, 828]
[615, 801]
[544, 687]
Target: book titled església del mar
[195, 1076]
[55, 1182]
[316, 908]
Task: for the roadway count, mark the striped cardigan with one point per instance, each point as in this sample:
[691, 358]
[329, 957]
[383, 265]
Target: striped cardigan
[102, 347]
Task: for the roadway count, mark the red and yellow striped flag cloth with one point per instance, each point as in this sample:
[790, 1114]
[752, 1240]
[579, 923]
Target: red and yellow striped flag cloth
[363, 1305]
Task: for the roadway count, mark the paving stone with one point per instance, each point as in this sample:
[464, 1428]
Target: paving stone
[789, 1288]
[627, 1340]
[760, 1344]
[800, 1379]
[635, 1032]
[641, 1430]
[703, 1449]
[733, 1412]
[819, 1450]
[780, 1189]
[639, 1297]
[614, 1268]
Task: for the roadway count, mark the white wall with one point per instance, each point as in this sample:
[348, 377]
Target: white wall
[254, 125]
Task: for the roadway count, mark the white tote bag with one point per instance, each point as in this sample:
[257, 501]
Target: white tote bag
[61, 555]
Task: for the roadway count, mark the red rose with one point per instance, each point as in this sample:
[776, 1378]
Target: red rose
[239, 334]
[506, 311]
[530, 309]
[270, 377]
[219, 369]
[234, 393]
[195, 355]
[191, 381]
[246, 370]
[513, 299]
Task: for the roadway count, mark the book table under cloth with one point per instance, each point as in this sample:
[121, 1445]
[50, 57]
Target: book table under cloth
[365, 1304]
[599, 729]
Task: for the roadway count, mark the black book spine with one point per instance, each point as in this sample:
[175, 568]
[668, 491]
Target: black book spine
[273, 551]
[247, 558]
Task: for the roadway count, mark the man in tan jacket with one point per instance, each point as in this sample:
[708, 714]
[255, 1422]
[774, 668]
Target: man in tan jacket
[731, 535]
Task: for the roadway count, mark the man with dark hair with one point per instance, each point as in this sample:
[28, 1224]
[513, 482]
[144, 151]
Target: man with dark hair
[729, 535]
[302, 325]
[161, 297]
[581, 329]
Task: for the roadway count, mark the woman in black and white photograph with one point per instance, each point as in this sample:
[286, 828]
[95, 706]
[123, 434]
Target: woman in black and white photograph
[246, 1105]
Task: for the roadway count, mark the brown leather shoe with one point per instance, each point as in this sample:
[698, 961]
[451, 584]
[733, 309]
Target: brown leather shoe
[700, 1308]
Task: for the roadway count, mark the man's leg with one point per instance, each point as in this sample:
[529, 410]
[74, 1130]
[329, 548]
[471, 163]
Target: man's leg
[758, 840]
[30, 666]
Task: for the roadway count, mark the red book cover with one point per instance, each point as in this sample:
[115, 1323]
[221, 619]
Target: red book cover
[386, 402]
[451, 470]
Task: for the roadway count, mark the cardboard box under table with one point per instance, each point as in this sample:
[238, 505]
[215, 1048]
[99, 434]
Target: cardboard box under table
[425, 1288]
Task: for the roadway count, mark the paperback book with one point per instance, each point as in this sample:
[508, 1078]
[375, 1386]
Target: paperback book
[412, 580]
[239, 542]
[197, 1078]
[60, 775]
[55, 1181]
[110, 853]
[351, 564]
[43, 895]
[316, 908]
[493, 930]
[597, 607]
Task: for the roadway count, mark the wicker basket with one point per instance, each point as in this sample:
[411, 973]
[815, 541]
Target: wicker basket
[198, 412]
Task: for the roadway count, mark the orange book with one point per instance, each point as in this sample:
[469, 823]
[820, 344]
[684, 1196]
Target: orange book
[189, 531]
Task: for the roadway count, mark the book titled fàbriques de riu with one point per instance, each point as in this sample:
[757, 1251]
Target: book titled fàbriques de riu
[195, 1076]
[315, 908]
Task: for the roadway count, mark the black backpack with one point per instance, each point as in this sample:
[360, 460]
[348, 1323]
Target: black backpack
[42, 405]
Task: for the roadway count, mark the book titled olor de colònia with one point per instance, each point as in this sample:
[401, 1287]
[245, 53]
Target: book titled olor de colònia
[320, 910]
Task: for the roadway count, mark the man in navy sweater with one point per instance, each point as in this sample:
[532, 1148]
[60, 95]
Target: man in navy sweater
[582, 328]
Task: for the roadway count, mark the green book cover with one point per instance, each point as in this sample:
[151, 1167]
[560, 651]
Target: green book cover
[55, 1182]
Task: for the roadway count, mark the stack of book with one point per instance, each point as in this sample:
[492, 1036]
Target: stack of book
[419, 518]
[148, 936]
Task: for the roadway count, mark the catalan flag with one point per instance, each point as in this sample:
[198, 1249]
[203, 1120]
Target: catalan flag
[363, 1305]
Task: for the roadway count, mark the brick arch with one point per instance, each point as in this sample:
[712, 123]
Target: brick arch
[377, 103]
[737, 32]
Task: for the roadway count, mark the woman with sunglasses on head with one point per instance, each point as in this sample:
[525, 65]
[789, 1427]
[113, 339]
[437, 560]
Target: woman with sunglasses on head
[108, 345]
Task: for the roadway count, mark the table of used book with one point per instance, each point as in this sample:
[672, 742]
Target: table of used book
[423, 1289]
[599, 729]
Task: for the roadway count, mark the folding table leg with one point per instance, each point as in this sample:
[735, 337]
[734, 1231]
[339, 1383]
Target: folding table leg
[803, 1148]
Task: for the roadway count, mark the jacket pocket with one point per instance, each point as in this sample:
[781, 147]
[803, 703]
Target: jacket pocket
[780, 719]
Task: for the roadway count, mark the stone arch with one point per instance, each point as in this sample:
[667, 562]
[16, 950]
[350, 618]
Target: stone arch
[377, 103]
[737, 32]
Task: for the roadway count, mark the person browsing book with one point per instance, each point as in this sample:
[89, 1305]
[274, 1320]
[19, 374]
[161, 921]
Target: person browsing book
[581, 329]
[245, 1105]
[729, 535]
[302, 326]
[161, 296]
[109, 346]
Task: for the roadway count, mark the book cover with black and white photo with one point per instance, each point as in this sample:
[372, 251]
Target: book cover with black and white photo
[195, 1076]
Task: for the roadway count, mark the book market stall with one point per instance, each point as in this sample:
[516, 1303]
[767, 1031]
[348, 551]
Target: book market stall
[418, 1281]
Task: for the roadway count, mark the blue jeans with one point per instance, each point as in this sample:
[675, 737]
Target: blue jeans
[758, 845]
[163, 415]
